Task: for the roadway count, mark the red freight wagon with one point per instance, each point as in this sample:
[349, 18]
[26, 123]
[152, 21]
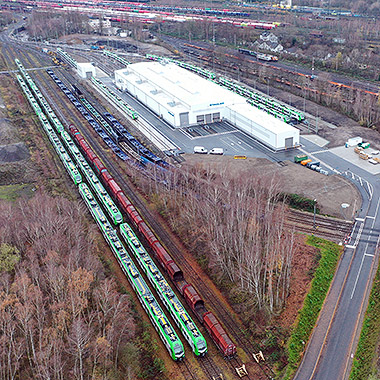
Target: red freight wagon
[174, 272]
[192, 297]
[162, 255]
[123, 200]
[114, 187]
[134, 215]
[99, 167]
[148, 234]
[106, 176]
[219, 335]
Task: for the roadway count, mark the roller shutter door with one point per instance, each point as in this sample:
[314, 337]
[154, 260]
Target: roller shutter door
[289, 142]
[184, 119]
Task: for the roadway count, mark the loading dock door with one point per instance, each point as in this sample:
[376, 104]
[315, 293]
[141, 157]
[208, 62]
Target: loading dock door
[289, 142]
[184, 119]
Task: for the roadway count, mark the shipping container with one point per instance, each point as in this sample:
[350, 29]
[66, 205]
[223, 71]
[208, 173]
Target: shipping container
[300, 157]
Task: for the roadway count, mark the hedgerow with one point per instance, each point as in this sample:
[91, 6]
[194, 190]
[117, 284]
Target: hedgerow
[330, 253]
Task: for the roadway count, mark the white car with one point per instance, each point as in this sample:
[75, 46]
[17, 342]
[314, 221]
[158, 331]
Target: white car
[216, 151]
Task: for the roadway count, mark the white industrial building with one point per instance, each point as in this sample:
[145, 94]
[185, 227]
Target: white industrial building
[85, 70]
[183, 99]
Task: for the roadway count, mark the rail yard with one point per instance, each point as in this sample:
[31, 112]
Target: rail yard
[95, 133]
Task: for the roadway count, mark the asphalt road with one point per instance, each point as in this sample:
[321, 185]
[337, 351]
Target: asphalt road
[332, 347]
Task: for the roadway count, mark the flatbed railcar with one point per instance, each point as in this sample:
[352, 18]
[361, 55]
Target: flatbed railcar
[160, 322]
[136, 144]
[93, 123]
[183, 320]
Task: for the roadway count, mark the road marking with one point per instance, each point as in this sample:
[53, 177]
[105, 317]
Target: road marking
[351, 246]
[359, 233]
[360, 219]
[369, 254]
[370, 217]
[365, 251]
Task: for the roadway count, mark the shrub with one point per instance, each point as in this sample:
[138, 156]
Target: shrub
[330, 253]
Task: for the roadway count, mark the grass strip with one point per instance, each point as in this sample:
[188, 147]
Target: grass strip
[330, 253]
[366, 352]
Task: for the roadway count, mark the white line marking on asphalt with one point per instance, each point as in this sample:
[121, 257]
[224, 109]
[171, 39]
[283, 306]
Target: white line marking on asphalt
[370, 217]
[351, 246]
[365, 251]
[360, 219]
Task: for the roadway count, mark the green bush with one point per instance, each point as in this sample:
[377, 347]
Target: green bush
[298, 202]
[367, 347]
[330, 253]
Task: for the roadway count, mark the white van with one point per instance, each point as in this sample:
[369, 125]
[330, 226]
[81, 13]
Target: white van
[200, 149]
[216, 151]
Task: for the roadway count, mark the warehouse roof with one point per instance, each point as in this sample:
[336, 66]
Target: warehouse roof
[178, 85]
[262, 118]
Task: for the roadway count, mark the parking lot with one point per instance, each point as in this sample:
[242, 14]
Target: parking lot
[349, 155]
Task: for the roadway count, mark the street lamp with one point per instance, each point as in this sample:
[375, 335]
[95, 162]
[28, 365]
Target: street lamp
[315, 209]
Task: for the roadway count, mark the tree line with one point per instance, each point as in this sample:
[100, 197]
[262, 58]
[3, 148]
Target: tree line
[61, 317]
[234, 224]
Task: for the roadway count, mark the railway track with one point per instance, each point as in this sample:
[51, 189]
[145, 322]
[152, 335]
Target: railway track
[326, 227]
[219, 309]
[68, 118]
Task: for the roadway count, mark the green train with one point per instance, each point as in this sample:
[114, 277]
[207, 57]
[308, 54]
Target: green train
[264, 103]
[202, 72]
[66, 57]
[168, 335]
[81, 162]
[115, 98]
[183, 320]
[171, 340]
[121, 60]
[105, 199]
[61, 151]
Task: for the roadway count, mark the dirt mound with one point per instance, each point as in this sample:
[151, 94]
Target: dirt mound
[13, 152]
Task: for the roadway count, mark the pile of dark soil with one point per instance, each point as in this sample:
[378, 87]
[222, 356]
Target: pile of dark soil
[13, 152]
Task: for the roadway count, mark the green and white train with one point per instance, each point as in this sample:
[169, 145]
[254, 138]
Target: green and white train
[168, 335]
[115, 98]
[103, 196]
[54, 139]
[183, 320]
[121, 60]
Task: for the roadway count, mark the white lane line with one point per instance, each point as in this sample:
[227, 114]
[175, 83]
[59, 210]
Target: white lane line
[365, 251]
[370, 189]
[370, 217]
[360, 219]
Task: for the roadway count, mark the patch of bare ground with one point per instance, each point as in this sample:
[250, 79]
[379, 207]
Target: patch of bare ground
[26, 156]
[330, 191]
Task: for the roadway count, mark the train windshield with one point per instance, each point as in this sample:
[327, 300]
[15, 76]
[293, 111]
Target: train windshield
[201, 344]
[178, 350]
